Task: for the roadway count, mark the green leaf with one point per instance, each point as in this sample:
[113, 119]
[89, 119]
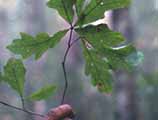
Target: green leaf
[100, 35]
[28, 45]
[97, 67]
[43, 93]
[96, 8]
[14, 75]
[99, 64]
[103, 55]
[64, 7]
[103, 41]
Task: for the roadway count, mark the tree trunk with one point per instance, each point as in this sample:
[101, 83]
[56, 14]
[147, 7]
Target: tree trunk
[125, 86]
[126, 98]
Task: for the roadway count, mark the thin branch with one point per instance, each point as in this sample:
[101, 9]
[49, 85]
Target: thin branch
[70, 44]
[21, 109]
[63, 64]
[73, 42]
[22, 101]
[65, 77]
[70, 38]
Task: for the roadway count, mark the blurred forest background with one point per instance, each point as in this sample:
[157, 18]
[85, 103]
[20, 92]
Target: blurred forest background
[135, 97]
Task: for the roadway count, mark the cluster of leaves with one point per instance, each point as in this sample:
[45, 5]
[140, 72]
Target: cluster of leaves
[99, 43]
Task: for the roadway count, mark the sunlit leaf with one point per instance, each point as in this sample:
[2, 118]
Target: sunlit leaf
[64, 7]
[28, 45]
[43, 93]
[14, 75]
[96, 8]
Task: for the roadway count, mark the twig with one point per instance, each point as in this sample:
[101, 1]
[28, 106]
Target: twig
[66, 81]
[63, 64]
[21, 109]
[73, 42]
[22, 101]
[70, 44]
